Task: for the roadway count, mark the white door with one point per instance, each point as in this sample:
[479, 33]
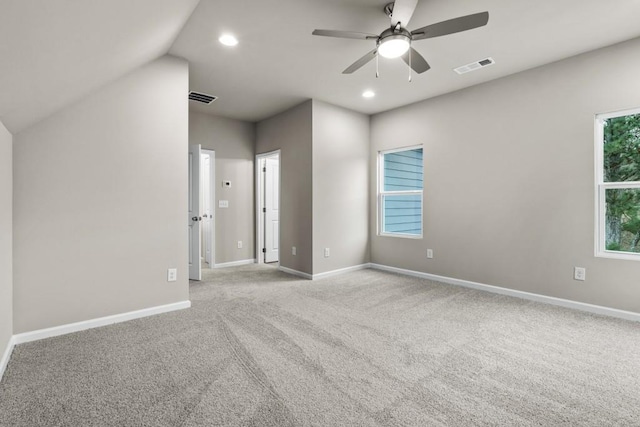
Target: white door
[272, 215]
[195, 272]
[207, 217]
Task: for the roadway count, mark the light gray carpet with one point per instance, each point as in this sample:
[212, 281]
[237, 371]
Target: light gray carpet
[261, 348]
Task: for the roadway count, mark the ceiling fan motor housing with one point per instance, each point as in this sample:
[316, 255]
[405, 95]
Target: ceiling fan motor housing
[393, 34]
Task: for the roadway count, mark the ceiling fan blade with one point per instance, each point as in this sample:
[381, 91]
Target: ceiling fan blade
[402, 12]
[345, 34]
[360, 62]
[418, 63]
[451, 26]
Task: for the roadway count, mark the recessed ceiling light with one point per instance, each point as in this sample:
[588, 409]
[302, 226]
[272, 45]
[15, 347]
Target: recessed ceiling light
[228, 40]
[368, 94]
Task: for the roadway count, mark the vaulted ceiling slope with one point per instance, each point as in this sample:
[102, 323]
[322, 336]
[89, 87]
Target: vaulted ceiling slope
[54, 52]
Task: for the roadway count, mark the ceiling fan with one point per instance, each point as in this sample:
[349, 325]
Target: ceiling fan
[396, 41]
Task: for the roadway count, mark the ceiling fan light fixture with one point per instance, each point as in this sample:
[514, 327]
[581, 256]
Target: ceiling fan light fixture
[396, 40]
[368, 94]
[394, 46]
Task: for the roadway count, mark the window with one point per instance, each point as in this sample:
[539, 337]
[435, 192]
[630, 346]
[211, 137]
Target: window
[618, 184]
[400, 192]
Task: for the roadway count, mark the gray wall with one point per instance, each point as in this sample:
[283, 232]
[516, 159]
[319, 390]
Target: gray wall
[509, 179]
[100, 202]
[340, 187]
[291, 132]
[234, 144]
[6, 233]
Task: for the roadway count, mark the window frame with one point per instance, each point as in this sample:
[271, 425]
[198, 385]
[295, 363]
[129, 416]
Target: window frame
[601, 188]
[381, 194]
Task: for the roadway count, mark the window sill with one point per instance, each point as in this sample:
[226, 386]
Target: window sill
[401, 236]
[631, 256]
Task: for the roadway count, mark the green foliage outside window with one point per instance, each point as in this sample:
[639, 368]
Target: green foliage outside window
[622, 164]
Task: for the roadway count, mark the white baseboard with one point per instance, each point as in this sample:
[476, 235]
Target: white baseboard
[234, 263]
[295, 272]
[326, 273]
[340, 271]
[597, 309]
[7, 355]
[96, 323]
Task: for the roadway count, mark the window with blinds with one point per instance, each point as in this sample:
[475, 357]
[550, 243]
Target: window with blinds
[400, 192]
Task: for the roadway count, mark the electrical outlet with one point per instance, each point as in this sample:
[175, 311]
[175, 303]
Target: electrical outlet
[326, 252]
[172, 275]
[293, 250]
[429, 253]
[239, 244]
[580, 273]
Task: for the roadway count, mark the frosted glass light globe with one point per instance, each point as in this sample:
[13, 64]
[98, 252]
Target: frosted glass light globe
[394, 46]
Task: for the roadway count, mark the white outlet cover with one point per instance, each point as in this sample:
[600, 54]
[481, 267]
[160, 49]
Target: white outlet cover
[327, 252]
[172, 274]
[239, 244]
[429, 253]
[293, 250]
[579, 273]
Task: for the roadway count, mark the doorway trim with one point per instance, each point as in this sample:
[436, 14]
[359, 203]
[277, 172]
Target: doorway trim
[259, 202]
[212, 196]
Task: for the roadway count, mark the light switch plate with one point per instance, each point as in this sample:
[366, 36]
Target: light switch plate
[223, 203]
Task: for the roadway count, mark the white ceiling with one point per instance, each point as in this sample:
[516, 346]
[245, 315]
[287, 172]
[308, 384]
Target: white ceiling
[278, 63]
[53, 52]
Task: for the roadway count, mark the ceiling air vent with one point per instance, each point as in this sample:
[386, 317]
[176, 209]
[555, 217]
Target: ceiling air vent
[201, 97]
[474, 66]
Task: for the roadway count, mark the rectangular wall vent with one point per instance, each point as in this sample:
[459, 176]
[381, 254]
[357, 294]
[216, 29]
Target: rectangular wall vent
[201, 97]
[474, 66]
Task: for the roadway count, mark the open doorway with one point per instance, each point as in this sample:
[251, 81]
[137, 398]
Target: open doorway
[268, 207]
[207, 195]
[201, 217]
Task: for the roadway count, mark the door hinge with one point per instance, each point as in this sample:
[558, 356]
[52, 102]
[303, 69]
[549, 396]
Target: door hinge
[264, 210]
[264, 250]
[264, 169]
